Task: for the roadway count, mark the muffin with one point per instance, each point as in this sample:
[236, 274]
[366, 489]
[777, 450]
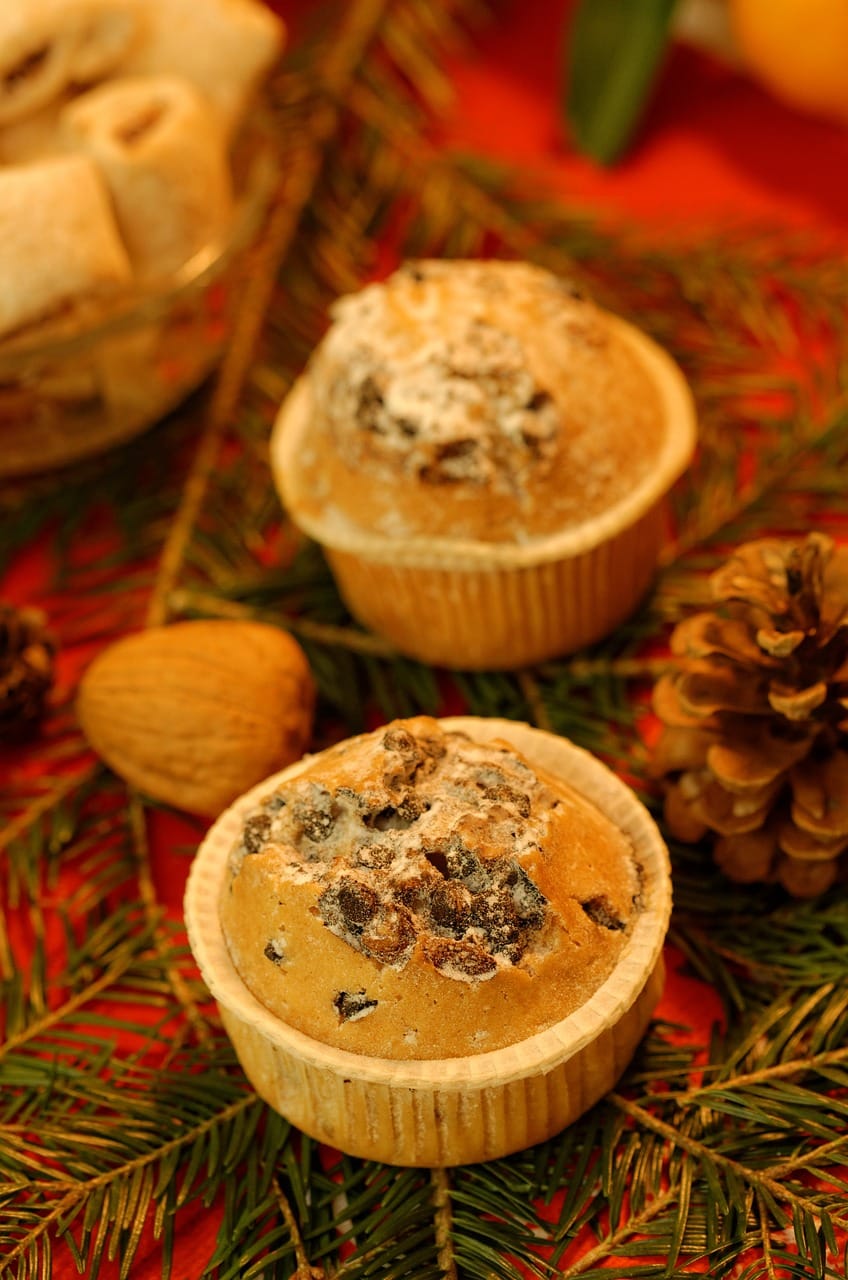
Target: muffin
[483, 453]
[435, 943]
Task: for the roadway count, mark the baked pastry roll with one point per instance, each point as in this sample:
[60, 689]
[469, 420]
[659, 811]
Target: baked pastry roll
[58, 239]
[161, 150]
[48, 45]
[225, 47]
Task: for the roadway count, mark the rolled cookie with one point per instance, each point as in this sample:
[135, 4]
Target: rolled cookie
[161, 149]
[58, 239]
[46, 46]
[224, 47]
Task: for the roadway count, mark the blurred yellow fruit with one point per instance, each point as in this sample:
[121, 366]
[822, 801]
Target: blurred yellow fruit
[798, 49]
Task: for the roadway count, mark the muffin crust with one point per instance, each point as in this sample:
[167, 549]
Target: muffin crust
[484, 400]
[415, 894]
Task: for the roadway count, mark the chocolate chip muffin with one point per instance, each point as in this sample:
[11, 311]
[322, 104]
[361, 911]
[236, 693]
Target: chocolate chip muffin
[483, 453]
[433, 890]
[414, 893]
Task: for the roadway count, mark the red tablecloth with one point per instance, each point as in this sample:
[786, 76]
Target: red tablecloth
[713, 146]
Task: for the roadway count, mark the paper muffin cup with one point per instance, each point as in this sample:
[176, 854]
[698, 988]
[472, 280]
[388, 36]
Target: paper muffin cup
[436, 1112]
[485, 605]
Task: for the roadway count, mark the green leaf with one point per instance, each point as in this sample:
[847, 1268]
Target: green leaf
[613, 51]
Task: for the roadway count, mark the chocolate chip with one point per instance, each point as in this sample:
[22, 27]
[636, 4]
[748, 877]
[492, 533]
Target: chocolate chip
[513, 951]
[357, 902]
[455, 449]
[369, 403]
[411, 806]
[397, 817]
[351, 1005]
[450, 906]
[316, 816]
[274, 952]
[539, 400]
[600, 911]
[274, 804]
[255, 832]
[496, 916]
[505, 794]
[316, 825]
[464, 865]
[446, 466]
[527, 897]
[465, 957]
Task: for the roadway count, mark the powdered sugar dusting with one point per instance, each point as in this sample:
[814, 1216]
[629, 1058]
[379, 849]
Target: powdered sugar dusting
[432, 373]
[418, 845]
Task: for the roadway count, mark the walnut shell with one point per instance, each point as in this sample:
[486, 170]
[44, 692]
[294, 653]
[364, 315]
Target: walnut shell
[196, 712]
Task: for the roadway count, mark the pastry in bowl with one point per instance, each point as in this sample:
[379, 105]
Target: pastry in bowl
[484, 455]
[434, 943]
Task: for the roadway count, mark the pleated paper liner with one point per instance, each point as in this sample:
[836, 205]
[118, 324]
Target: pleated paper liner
[478, 605]
[452, 1110]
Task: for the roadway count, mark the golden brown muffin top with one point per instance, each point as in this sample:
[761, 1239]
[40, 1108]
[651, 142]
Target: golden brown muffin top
[405, 876]
[472, 399]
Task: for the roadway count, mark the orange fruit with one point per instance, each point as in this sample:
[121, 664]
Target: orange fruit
[798, 49]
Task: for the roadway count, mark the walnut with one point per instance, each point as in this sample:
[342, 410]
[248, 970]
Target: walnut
[601, 912]
[158, 706]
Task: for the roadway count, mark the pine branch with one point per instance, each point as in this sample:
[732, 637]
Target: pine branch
[62, 1214]
[46, 804]
[775, 1192]
[152, 912]
[296, 188]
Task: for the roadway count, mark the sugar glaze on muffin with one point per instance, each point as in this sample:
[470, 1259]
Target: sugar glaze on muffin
[415, 894]
[485, 400]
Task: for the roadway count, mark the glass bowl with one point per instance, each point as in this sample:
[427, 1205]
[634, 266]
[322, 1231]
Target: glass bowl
[84, 382]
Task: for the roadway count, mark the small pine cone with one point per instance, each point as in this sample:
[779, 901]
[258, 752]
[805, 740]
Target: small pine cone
[754, 745]
[26, 671]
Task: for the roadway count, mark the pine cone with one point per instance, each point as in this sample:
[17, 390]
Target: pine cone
[26, 671]
[755, 717]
